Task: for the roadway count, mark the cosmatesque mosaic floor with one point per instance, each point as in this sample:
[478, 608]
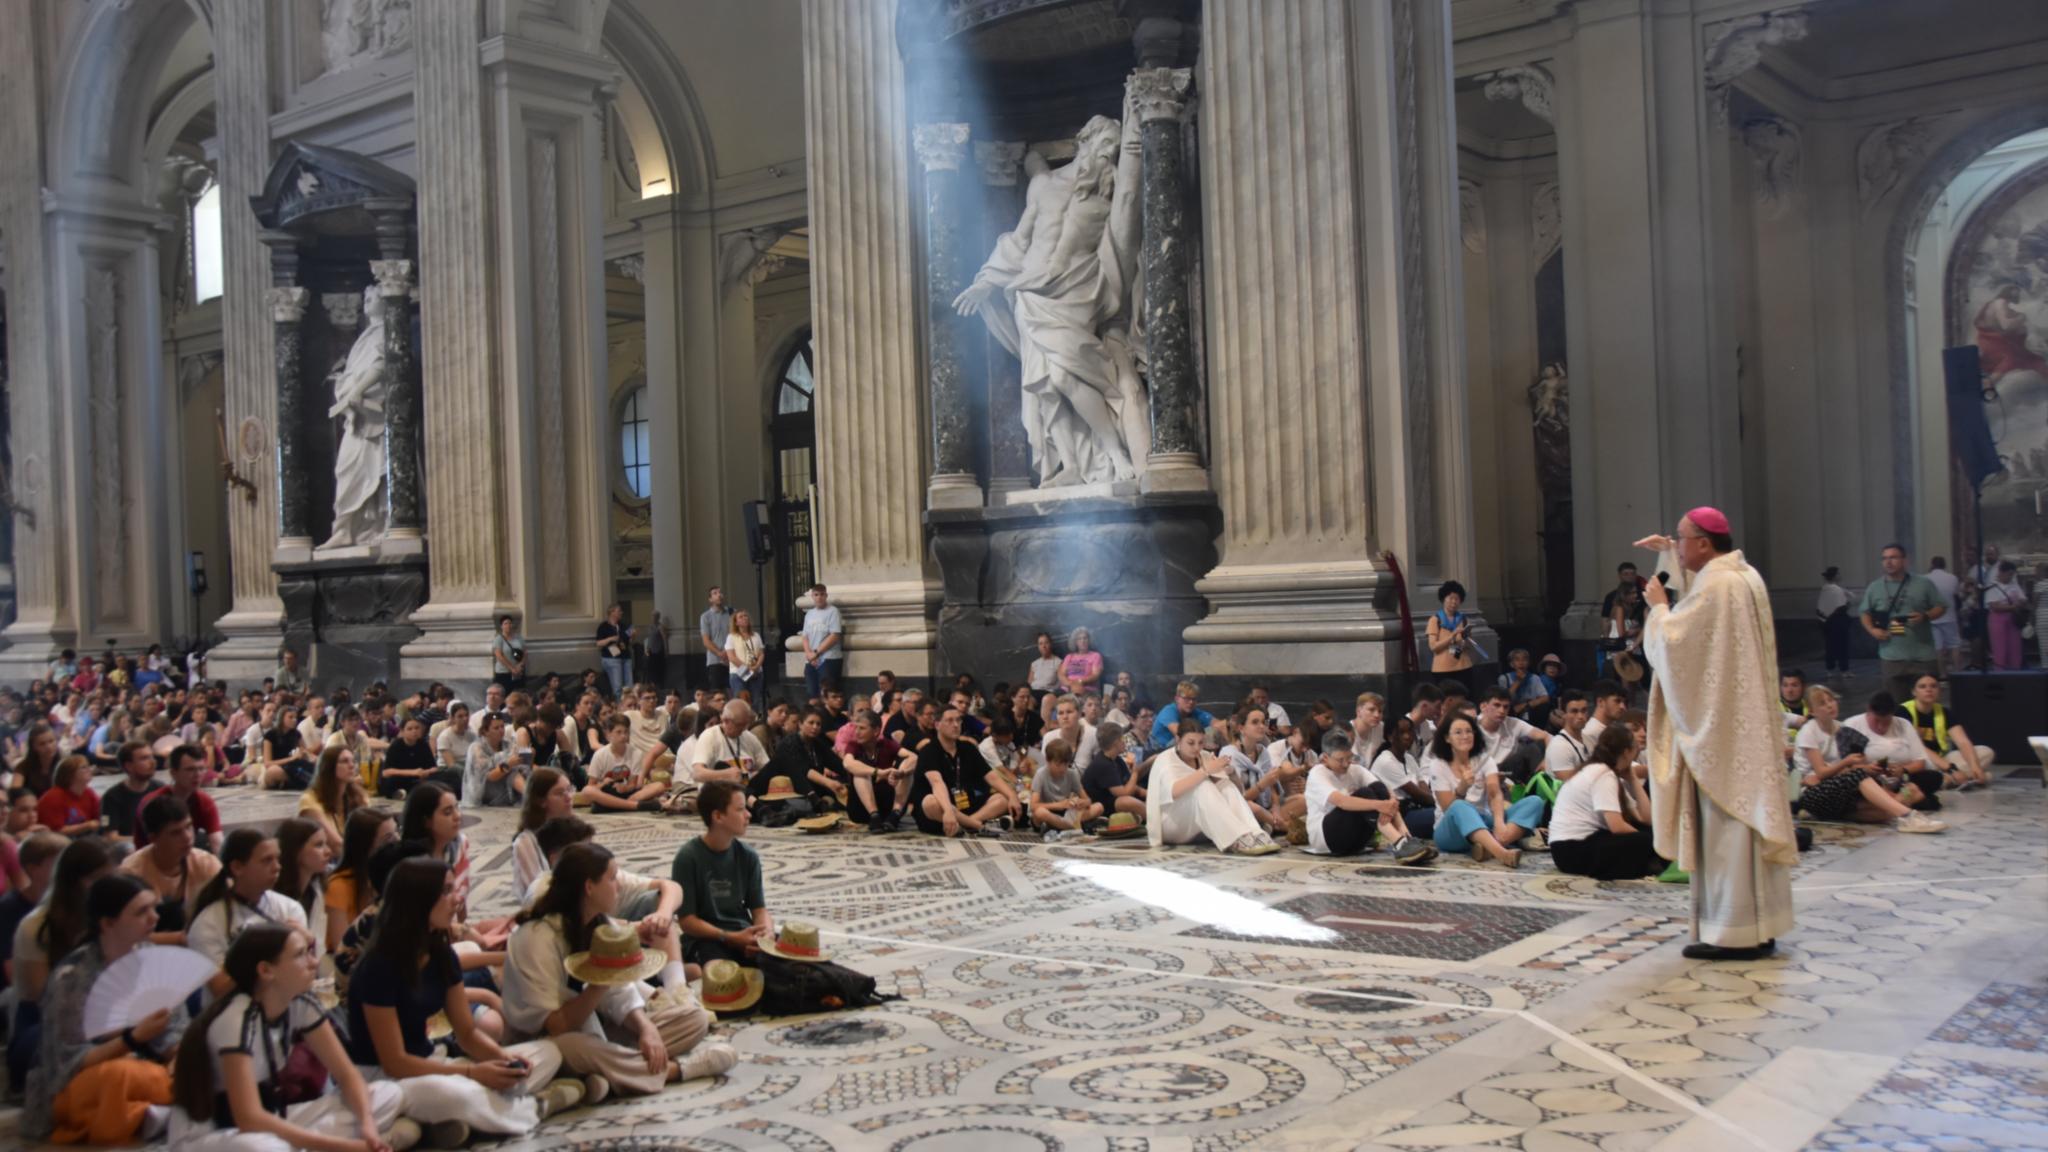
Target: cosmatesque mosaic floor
[1100, 996]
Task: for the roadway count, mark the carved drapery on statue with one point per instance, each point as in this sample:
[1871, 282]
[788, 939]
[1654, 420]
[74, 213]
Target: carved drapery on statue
[360, 389]
[1058, 292]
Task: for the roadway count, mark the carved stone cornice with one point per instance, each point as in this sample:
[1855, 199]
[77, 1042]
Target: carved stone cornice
[998, 161]
[1160, 93]
[1885, 154]
[941, 146]
[1733, 47]
[1531, 84]
[288, 305]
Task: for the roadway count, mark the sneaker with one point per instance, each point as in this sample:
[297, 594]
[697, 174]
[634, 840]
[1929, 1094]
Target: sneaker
[404, 1134]
[1054, 835]
[1537, 841]
[596, 1089]
[879, 823]
[712, 1058]
[447, 1134]
[1676, 875]
[559, 1096]
[1005, 823]
[156, 1120]
[1095, 827]
[1409, 850]
[992, 831]
[1917, 822]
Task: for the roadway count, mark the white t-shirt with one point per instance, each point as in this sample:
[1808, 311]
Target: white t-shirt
[1563, 755]
[1900, 745]
[606, 763]
[1083, 755]
[715, 750]
[1322, 785]
[1277, 716]
[1577, 813]
[1394, 771]
[1812, 738]
[452, 745]
[1501, 741]
[1831, 597]
[1591, 733]
[741, 650]
[1442, 779]
[220, 922]
[242, 1029]
[1045, 674]
[1946, 583]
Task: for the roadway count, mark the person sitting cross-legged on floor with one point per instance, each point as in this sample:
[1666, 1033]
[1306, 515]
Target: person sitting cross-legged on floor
[1469, 790]
[954, 789]
[1346, 806]
[1592, 832]
[1114, 779]
[1835, 770]
[724, 911]
[1963, 765]
[1397, 766]
[614, 785]
[1192, 795]
[1892, 751]
[1059, 802]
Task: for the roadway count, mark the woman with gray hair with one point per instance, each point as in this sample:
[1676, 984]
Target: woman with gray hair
[1081, 671]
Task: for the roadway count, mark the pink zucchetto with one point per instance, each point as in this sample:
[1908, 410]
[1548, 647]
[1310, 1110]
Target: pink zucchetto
[1708, 520]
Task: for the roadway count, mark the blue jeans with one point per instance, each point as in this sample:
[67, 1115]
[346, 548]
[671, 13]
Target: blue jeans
[1455, 826]
[735, 682]
[619, 672]
[820, 676]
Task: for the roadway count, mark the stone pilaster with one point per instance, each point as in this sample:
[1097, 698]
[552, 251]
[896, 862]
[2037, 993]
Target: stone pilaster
[941, 147]
[1009, 449]
[43, 620]
[253, 625]
[294, 510]
[870, 543]
[1299, 590]
[402, 400]
[1174, 462]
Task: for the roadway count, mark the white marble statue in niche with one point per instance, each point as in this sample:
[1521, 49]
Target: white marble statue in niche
[359, 393]
[1059, 293]
[354, 32]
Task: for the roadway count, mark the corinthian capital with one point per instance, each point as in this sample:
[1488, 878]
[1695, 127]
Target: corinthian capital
[288, 305]
[1160, 93]
[394, 277]
[941, 147]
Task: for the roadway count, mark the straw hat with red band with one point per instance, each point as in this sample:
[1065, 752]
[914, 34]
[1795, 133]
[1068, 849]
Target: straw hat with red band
[731, 988]
[615, 957]
[779, 788]
[797, 941]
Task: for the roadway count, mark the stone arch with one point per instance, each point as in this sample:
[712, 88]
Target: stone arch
[677, 119]
[102, 95]
[194, 97]
[1916, 199]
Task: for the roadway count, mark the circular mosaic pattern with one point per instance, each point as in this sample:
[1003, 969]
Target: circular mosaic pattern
[837, 1033]
[840, 877]
[1061, 963]
[980, 1138]
[1095, 1017]
[1162, 1083]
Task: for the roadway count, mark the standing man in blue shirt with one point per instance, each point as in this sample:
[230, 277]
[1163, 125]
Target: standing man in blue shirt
[712, 628]
[823, 655]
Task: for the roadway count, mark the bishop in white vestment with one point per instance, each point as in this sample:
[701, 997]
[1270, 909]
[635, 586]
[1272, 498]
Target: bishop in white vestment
[1717, 780]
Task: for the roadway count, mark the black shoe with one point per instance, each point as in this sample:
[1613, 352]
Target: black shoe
[1716, 952]
[1769, 947]
[880, 822]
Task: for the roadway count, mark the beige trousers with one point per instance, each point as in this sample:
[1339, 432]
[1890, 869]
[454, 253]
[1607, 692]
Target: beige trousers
[616, 1056]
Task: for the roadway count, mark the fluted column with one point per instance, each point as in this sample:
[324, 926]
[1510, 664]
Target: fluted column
[402, 400]
[870, 503]
[253, 625]
[1288, 335]
[941, 147]
[1174, 461]
[43, 621]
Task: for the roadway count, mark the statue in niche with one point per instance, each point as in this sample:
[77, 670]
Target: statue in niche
[1058, 293]
[353, 32]
[1550, 408]
[359, 391]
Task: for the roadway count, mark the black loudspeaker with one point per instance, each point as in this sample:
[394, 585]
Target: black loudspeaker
[2001, 709]
[760, 542]
[1969, 434]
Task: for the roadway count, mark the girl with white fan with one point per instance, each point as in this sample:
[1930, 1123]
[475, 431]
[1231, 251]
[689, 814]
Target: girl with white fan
[108, 1089]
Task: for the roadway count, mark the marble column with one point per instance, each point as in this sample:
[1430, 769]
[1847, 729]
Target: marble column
[402, 402]
[44, 622]
[510, 223]
[1174, 461]
[941, 147]
[1319, 320]
[287, 311]
[1009, 449]
[241, 75]
[869, 517]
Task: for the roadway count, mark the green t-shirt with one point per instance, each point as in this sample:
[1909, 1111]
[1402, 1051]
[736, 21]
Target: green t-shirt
[1915, 594]
[721, 888]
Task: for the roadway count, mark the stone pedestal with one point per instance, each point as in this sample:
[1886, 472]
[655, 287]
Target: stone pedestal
[352, 614]
[1123, 566]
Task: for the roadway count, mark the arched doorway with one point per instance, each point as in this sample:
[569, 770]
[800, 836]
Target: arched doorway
[793, 442]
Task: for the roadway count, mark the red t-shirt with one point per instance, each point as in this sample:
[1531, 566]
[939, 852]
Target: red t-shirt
[60, 809]
[883, 756]
[205, 816]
